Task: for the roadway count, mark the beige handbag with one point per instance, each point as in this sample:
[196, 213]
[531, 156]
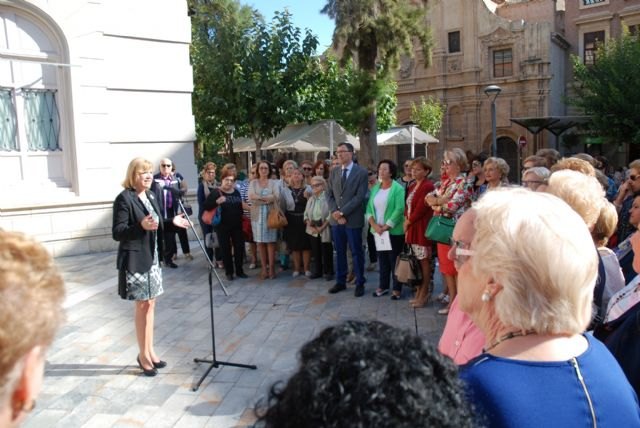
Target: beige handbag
[276, 218]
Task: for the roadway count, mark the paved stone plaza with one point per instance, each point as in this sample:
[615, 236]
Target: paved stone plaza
[91, 375]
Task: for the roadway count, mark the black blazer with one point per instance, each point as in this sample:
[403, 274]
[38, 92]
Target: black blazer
[135, 252]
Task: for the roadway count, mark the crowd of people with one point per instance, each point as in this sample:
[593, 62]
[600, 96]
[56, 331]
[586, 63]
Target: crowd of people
[542, 293]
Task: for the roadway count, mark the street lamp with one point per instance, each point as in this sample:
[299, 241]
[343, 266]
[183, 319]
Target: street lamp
[492, 91]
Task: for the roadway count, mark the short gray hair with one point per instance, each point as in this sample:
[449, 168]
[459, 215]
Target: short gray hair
[541, 253]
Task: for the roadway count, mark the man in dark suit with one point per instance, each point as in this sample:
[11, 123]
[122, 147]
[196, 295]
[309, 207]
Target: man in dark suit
[345, 195]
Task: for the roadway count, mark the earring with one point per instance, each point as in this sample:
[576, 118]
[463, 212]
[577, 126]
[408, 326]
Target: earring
[486, 297]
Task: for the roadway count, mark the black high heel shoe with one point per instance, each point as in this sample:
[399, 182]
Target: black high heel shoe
[160, 364]
[146, 372]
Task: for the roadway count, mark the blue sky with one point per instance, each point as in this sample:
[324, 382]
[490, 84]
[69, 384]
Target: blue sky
[305, 14]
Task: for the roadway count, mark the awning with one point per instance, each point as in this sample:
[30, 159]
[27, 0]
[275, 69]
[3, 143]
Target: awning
[301, 137]
[554, 124]
[402, 135]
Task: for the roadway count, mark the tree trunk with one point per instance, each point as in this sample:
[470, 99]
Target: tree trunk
[368, 156]
[258, 149]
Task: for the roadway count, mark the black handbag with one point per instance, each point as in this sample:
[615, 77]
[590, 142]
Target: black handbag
[408, 269]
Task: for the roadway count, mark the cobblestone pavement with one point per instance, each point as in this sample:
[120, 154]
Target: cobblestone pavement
[91, 375]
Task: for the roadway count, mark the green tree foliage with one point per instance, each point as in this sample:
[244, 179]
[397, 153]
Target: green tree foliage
[609, 89]
[343, 92]
[248, 74]
[375, 33]
[428, 115]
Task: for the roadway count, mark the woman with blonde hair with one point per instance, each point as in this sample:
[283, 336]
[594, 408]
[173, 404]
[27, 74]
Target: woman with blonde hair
[526, 279]
[136, 220]
[31, 297]
[450, 199]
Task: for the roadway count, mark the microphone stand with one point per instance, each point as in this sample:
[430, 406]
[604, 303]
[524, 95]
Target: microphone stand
[213, 362]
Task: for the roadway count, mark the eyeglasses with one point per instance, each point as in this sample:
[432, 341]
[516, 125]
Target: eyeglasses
[306, 169]
[317, 185]
[476, 164]
[371, 173]
[408, 165]
[459, 253]
[164, 165]
[342, 151]
[634, 177]
[229, 180]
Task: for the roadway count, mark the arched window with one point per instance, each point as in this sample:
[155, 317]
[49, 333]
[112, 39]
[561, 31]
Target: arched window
[35, 139]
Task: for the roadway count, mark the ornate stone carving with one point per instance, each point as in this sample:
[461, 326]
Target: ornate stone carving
[406, 66]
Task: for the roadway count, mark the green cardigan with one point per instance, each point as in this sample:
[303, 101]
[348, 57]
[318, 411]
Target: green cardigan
[393, 213]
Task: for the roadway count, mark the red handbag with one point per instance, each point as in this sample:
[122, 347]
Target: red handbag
[207, 216]
[247, 232]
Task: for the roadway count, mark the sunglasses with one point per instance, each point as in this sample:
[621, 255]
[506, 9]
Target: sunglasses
[634, 177]
[372, 173]
[164, 165]
[306, 169]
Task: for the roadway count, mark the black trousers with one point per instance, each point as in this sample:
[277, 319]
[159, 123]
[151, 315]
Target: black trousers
[184, 240]
[170, 247]
[322, 253]
[371, 247]
[232, 248]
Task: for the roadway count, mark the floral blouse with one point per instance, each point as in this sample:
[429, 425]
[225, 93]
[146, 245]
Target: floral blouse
[459, 194]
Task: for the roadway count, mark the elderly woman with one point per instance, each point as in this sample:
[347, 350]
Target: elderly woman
[31, 298]
[297, 240]
[451, 198]
[496, 172]
[229, 201]
[526, 279]
[385, 215]
[206, 185]
[416, 219]
[263, 194]
[136, 220]
[535, 178]
[316, 218]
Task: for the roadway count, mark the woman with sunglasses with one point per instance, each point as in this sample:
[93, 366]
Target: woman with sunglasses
[316, 218]
[451, 198]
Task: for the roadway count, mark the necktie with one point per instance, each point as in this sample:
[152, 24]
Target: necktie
[167, 193]
[344, 176]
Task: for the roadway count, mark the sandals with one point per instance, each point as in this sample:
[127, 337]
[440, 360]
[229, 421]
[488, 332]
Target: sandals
[380, 292]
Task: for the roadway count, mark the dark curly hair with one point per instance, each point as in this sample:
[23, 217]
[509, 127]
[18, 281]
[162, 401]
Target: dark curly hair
[367, 374]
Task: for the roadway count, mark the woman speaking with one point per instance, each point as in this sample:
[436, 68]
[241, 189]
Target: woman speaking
[136, 219]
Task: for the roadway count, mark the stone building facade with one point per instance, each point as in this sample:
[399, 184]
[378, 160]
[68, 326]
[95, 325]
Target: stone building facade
[517, 45]
[85, 86]
[589, 22]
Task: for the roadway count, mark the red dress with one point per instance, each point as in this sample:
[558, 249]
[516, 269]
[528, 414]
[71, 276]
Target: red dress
[421, 213]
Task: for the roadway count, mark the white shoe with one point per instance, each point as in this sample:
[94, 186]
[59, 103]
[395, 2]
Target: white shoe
[295, 274]
[252, 266]
[307, 274]
[372, 267]
[446, 299]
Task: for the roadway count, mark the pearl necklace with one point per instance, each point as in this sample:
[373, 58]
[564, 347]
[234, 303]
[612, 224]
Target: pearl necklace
[506, 337]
